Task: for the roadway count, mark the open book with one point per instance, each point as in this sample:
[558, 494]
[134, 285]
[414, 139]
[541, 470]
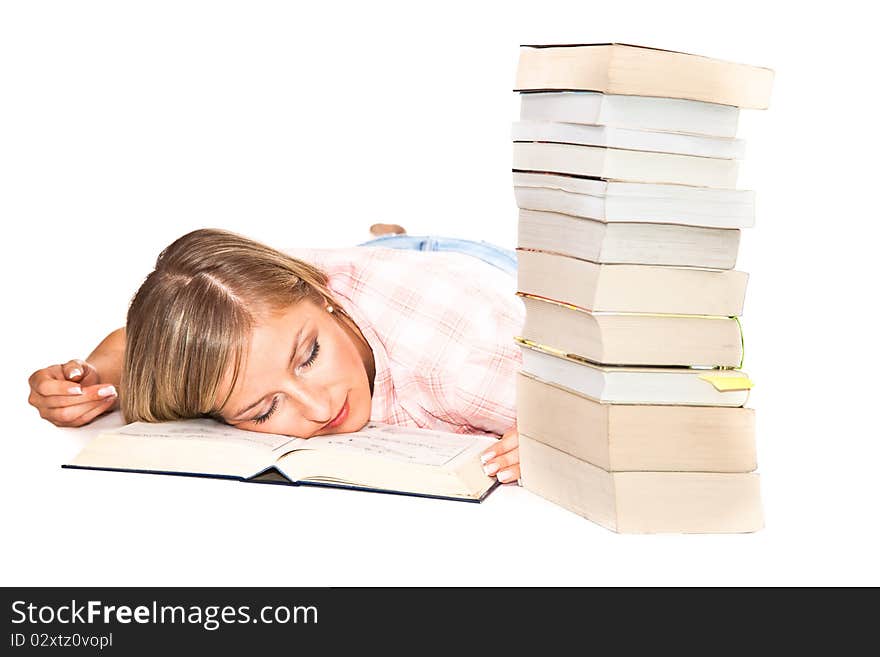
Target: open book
[381, 458]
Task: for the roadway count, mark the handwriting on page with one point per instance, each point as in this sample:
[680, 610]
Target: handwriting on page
[420, 446]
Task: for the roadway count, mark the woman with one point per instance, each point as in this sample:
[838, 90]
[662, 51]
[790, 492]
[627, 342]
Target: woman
[310, 342]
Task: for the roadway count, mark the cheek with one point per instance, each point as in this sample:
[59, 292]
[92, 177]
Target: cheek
[344, 362]
[335, 364]
[352, 374]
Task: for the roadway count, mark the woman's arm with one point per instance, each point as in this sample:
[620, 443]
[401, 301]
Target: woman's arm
[107, 357]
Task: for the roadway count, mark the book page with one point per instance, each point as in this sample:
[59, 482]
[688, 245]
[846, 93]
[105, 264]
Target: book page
[206, 429]
[381, 457]
[409, 445]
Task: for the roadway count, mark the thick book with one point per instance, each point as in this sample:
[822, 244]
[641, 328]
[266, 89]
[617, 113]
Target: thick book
[634, 338]
[630, 288]
[633, 437]
[610, 201]
[635, 112]
[616, 384]
[643, 502]
[617, 68]
[628, 243]
[379, 458]
[625, 165]
[627, 139]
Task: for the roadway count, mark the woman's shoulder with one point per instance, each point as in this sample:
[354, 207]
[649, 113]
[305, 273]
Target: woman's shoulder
[435, 277]
[425, 302]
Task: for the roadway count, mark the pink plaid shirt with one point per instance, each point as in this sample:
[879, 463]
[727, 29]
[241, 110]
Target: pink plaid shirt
[441, 327]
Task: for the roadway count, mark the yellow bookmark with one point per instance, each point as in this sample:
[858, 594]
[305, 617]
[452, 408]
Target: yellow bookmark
[728, 383]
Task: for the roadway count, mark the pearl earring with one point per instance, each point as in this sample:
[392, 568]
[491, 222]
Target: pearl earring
[329, 309]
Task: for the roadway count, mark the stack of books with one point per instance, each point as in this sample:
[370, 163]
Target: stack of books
[630, 402]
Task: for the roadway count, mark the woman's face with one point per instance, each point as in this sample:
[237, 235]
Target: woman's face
[303, 375]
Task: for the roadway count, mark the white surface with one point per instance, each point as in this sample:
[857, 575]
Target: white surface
[124, 125]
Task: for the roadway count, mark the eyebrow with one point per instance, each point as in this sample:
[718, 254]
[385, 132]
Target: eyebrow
[289, 364]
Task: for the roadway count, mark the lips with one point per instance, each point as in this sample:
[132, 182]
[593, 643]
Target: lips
[340, 418]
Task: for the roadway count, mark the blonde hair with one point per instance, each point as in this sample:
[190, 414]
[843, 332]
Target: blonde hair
[193, 315]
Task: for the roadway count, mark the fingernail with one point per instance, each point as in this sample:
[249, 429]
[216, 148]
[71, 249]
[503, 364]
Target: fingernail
[505, 475]
[75, 390]
[488, 456]
[74, 373]
[490, 469]
[107, 391]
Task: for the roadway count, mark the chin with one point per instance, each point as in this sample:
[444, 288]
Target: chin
[358, 421]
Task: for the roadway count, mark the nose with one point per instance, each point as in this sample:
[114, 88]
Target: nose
[311, 399]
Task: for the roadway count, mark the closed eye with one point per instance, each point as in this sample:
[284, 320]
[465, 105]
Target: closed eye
[265, 416]
[316, 348]
[312, 356]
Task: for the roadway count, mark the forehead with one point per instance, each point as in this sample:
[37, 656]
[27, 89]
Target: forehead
[271, 326]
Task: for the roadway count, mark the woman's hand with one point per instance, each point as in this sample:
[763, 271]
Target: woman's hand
[502, 458]
[70, 395]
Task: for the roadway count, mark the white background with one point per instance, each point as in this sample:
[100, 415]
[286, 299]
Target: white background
[124, 125]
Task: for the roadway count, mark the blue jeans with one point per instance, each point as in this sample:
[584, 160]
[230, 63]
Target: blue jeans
[504, 259]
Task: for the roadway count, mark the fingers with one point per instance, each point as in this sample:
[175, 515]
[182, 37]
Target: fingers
[76, 416]
[507, 442]
[47, 387]
[98, 392]
[502, 459]
[73, 369]
[100, 408]
[62, 379]
[505, 467]
[80, 371]
[62, 394]
[509, 475]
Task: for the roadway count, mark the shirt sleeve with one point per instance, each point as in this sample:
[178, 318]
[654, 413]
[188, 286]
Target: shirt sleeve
[481, 392]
